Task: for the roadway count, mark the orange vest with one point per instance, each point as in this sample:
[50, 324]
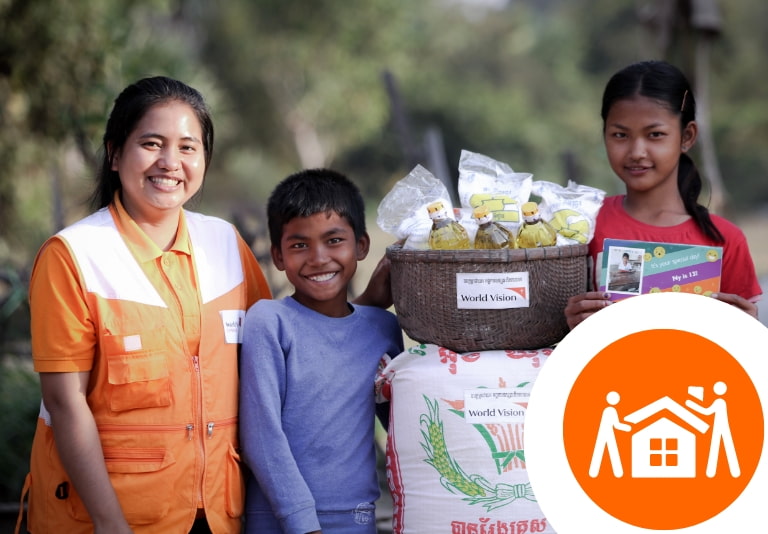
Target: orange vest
[167, 418]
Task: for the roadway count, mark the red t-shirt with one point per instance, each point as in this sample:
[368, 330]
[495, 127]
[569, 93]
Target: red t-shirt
[738, 274]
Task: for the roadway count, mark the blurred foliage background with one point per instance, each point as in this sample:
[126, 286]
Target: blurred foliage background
[370, 88]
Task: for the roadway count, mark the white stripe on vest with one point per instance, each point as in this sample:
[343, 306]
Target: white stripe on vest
[110, 270]
[217, 255]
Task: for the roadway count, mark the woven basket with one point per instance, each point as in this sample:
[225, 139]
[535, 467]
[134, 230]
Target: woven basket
[424, 293]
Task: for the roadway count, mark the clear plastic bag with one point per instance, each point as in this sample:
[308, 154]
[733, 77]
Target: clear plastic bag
[571, 210]
[403, 211]
[485, 181]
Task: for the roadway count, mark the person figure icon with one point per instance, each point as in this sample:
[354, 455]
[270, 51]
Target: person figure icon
[625, 266]
[606, 438]
[721, 432]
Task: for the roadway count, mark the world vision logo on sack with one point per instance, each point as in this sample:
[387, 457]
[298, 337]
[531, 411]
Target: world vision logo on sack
[648, 417]
[476, 488]
[499, 502]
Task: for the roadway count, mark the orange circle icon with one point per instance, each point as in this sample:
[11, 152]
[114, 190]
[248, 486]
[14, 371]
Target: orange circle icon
[663, 429]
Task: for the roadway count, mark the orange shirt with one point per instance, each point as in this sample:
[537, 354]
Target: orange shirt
[68, 333]
[158, 332]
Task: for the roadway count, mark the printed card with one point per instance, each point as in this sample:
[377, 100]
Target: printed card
[635, 267]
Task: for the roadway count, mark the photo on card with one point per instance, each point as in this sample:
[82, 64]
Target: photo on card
[625, 269]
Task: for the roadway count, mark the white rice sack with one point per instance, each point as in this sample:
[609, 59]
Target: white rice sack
[455, 456]
[485, 181]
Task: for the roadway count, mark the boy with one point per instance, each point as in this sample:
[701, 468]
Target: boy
[625, 266]
[308, 367]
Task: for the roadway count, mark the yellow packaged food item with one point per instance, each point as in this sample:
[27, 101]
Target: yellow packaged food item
[535, 232]
[490, 234]
[446, 233]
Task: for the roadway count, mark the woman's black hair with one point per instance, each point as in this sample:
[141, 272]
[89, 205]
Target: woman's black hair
[667, 85]
[129, 108]
[312, 191]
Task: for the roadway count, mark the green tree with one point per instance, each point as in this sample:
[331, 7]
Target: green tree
[61, 65]
[302, 82]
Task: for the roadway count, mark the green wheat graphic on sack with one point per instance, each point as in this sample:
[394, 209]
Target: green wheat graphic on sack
[453, 478]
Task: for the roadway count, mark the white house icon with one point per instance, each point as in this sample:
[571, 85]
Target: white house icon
[664, 448]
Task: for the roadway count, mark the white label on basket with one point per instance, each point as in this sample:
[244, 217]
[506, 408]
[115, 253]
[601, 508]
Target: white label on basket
[492, 291]
[487, 406]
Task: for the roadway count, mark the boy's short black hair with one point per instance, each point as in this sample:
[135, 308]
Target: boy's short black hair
[314, 191]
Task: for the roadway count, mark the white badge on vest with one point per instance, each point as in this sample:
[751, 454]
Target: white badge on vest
[232, 321]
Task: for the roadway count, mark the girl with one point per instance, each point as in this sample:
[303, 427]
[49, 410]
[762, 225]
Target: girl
[649, 126]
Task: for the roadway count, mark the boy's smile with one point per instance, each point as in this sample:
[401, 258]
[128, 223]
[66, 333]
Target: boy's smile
[319, 255]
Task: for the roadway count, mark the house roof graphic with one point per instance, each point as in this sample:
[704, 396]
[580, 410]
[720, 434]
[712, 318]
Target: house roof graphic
[666, 403]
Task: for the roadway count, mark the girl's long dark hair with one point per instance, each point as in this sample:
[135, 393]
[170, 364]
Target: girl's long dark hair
[666, 84]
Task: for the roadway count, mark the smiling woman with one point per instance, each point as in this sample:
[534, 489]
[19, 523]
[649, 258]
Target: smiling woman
[127, 305]
[161, 166]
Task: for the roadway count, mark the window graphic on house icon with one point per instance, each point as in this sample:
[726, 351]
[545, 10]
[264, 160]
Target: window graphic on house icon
[666, 448]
